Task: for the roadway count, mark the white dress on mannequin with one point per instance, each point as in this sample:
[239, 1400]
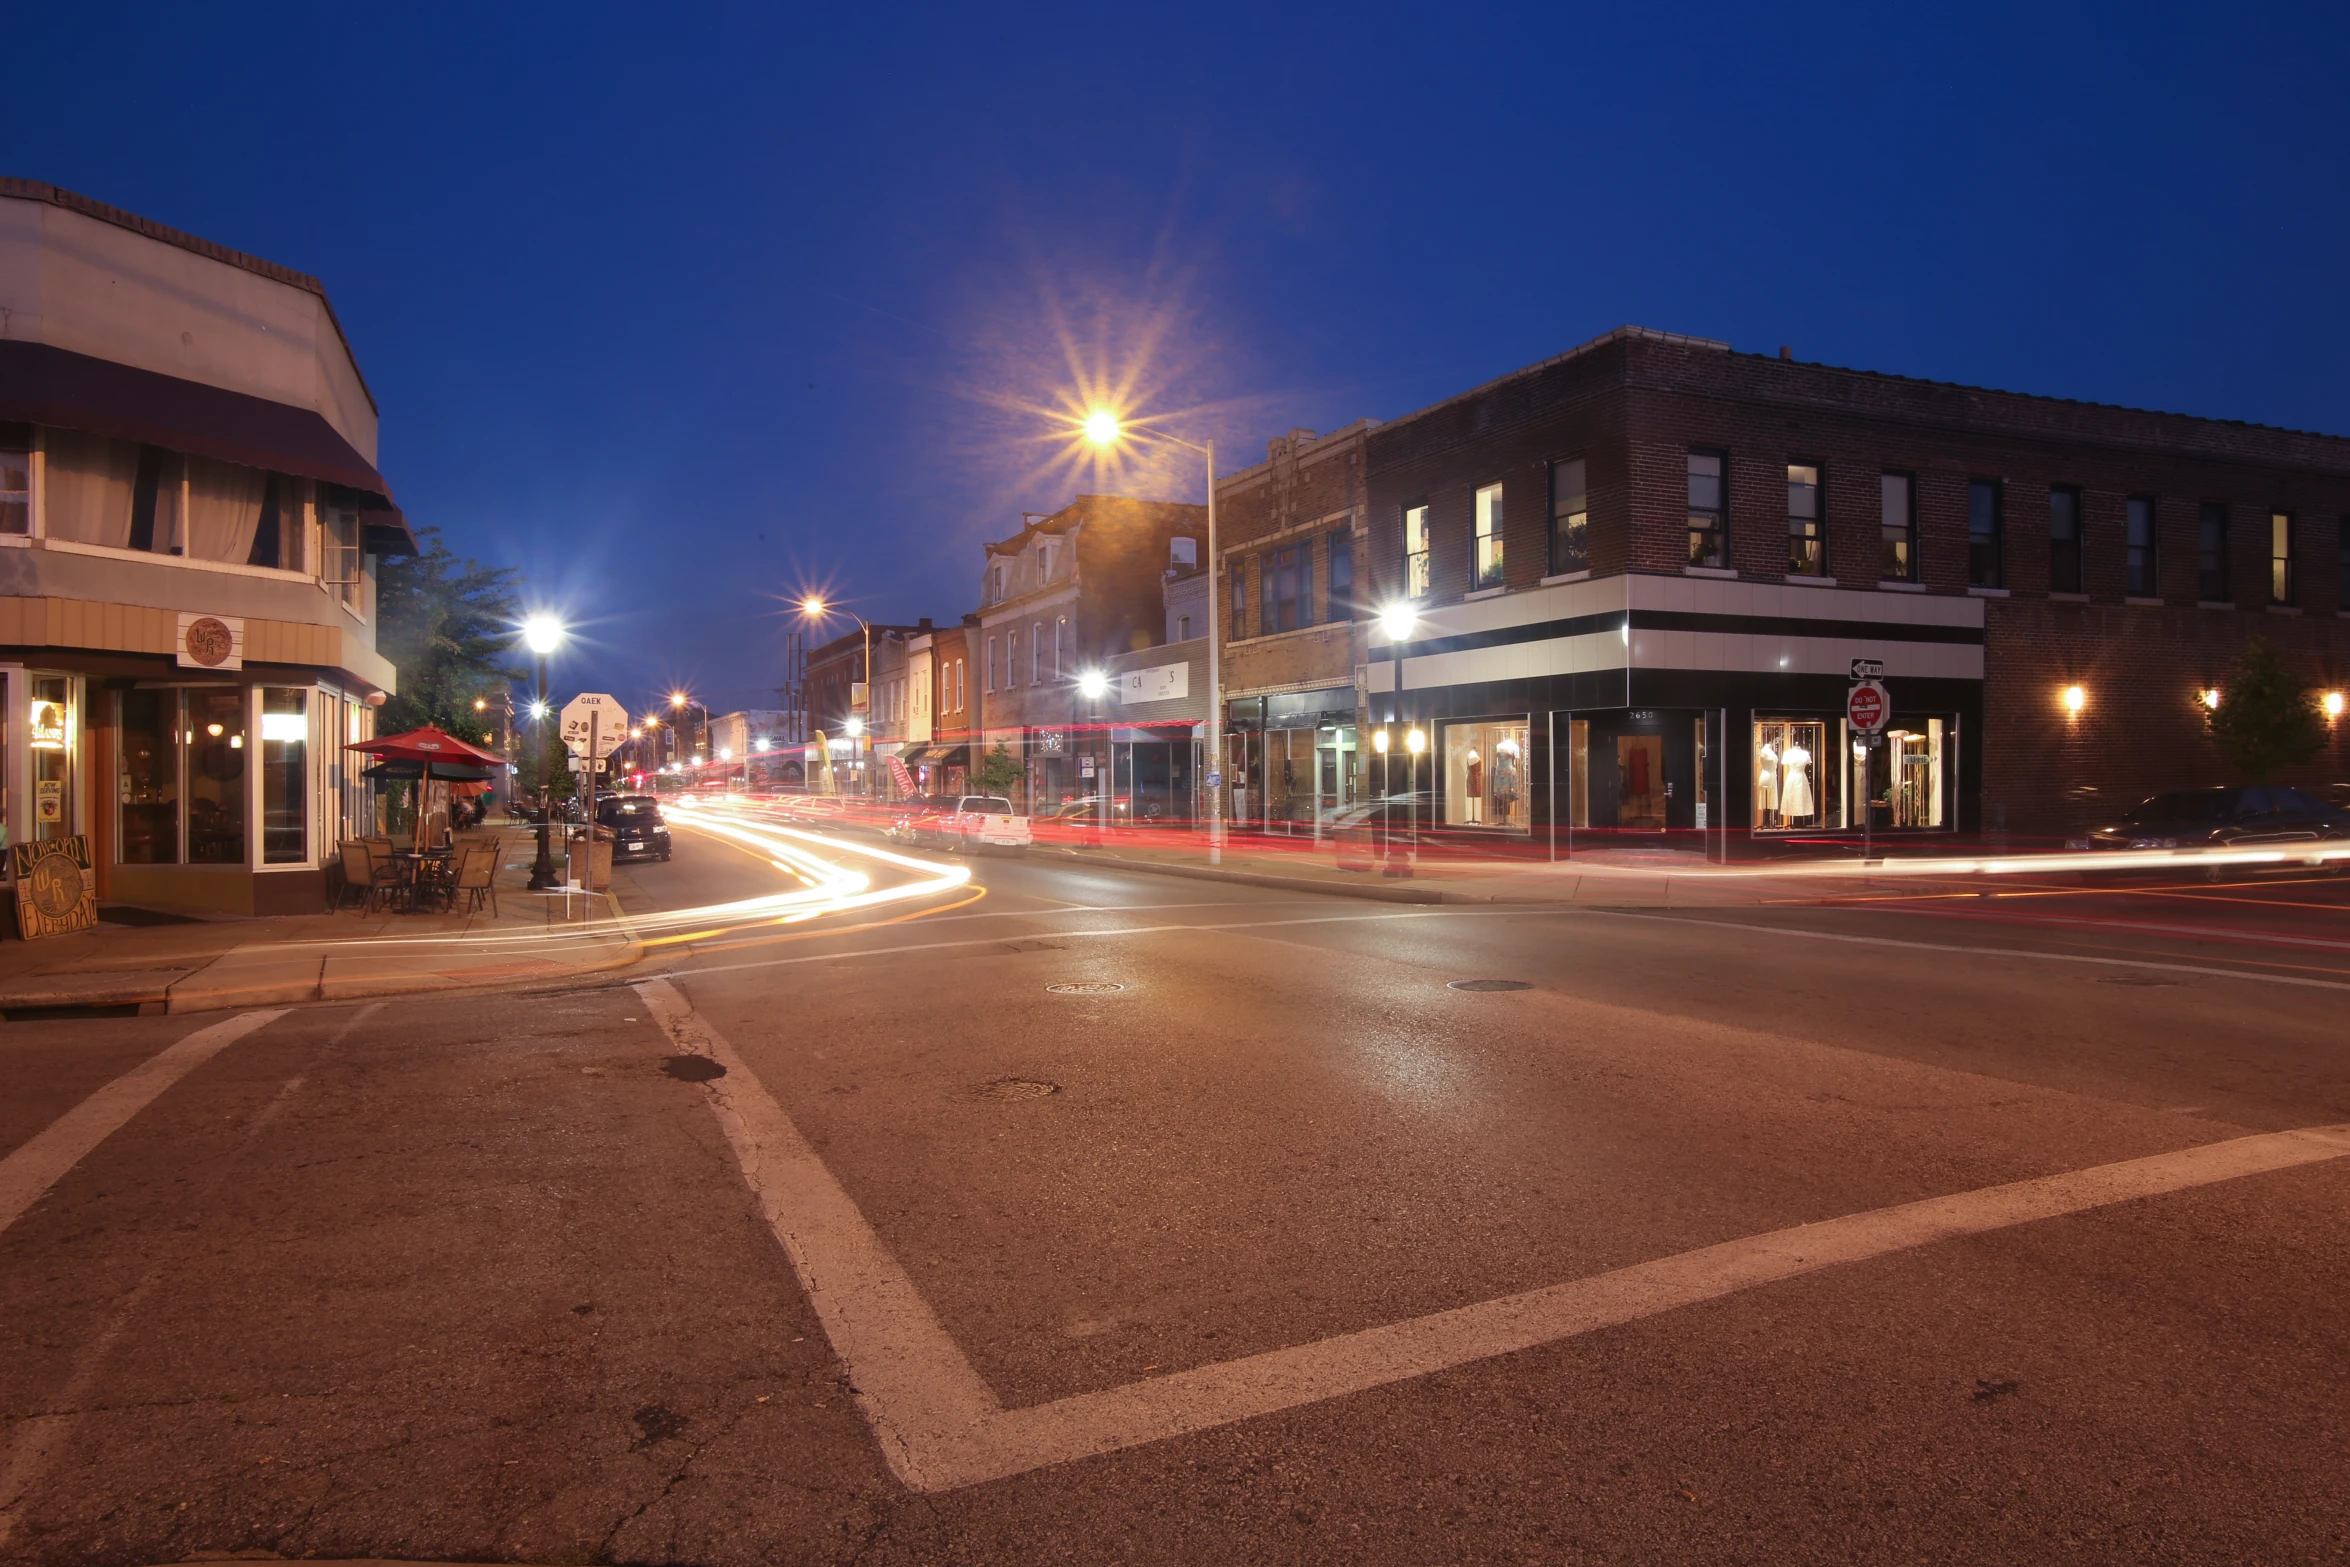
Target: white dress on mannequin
[1766, 779]
[1795, 783]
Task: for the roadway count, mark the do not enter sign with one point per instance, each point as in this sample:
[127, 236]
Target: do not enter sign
[1868, 706]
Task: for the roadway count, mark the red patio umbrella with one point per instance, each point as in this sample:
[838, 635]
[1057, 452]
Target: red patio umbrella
[427, 746]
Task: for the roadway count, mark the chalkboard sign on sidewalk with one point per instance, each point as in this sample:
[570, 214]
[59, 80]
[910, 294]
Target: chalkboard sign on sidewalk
[56, 891]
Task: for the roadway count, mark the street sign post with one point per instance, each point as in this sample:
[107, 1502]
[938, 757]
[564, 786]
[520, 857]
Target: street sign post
[1867, 706]
[601, 714]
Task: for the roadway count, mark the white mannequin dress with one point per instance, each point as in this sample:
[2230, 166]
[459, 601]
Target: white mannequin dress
[1795, 783]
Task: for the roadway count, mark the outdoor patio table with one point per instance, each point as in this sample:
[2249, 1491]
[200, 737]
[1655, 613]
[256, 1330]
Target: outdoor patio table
[424, 873]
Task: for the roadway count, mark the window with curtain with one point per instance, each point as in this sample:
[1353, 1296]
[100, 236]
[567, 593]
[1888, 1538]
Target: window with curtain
[282, 535]
[2212, 583]
[224, 510]
[2142, 578]
[1985, 568]
[1239, 597]
[2066, 573]
[2280, 557]
[1342, 575]
[87, 487]
[156, 495]
[1807, 539]
[1897, 525]
[1418, 571]
[16, 480]
[343, 565]
[1709, 512]
[1570, 518]
[1487, 565]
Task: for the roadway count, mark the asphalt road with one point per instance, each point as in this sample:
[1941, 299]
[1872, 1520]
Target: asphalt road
[1707, 1245]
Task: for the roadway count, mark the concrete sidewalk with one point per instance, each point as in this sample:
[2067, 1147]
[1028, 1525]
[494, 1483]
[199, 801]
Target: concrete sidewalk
[199, 965]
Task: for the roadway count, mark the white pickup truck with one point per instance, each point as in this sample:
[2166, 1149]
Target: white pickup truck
[979, 819]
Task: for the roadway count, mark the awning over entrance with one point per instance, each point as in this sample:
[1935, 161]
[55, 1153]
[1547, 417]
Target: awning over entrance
[43, 384]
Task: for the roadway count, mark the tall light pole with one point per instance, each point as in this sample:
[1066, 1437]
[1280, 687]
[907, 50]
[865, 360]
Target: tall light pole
[679, 701]
[1106, 429]
[815, 608]
[543, 634]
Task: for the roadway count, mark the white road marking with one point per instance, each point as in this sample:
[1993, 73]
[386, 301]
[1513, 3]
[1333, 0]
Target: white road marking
[940, 1426]
[1978, 952]
[38, 1165]
[914, 1385]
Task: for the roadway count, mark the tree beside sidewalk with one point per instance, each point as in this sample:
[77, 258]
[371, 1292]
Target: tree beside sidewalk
[997, 772]
[447, 625]
[2266, 720]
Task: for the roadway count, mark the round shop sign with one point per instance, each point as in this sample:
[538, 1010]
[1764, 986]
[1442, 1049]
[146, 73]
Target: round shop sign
[1868, 706]
[209, 641]
[55, 885]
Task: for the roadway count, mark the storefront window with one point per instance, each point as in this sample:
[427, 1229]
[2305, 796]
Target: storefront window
[1907, 776]
[1793, 771]
[1485, 775]
[51, 724]
[285, 775]
[149, 778]
[215, 737]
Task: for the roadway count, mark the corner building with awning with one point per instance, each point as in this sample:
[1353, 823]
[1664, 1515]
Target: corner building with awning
[190, 520]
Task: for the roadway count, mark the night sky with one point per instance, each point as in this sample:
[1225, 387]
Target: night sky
[683, 310]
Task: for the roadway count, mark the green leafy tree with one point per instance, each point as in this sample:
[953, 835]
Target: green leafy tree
[997, 773]
[2266, 720]
[447, 625]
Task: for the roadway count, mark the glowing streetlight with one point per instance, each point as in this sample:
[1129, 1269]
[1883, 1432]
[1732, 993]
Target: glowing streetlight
[538, 709]
[1416, 741]
[1397, 620]
[2075, 699]
[1094, 684]
[855, 725]
[542, 634]
[1105, 429]
[1379, 741]
[2333, 704]
[2211, 696]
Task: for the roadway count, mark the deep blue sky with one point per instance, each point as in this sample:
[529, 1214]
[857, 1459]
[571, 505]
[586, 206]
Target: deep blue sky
[680, 309]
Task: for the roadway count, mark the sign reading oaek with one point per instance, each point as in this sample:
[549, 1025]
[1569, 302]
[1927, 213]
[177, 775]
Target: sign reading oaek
[593, 710]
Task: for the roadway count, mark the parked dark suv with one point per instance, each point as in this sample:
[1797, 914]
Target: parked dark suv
[2246, 818]
[638, 830]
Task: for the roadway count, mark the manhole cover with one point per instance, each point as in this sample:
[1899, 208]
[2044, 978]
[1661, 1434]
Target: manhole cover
[2141, 980]
[1489, 984]
[1084, 987]
[692, 1069]
[1018, 1088]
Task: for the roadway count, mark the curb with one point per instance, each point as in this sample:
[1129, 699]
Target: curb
[295, 988]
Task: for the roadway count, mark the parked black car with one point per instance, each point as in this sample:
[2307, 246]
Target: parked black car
[2245, 818]
[639, 831]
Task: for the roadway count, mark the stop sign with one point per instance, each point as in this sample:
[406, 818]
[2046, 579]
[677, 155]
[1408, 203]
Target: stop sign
[1867, 706]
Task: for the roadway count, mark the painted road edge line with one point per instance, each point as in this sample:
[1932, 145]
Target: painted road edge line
[1975, 952]
[28, 1173]
[1091, 1424]
[919, 1393]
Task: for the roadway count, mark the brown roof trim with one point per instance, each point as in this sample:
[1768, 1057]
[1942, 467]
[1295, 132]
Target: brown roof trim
[43, 384]
[73, 201]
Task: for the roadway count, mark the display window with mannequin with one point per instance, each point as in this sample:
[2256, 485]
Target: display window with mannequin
[1485, 774]
[1792, 790]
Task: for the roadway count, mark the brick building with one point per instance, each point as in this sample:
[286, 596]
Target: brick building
[938, 725]
[1056, 599]
[1641, 571]
[1290, 531]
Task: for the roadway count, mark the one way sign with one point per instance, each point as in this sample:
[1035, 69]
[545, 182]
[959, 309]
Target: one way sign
[1868, 669]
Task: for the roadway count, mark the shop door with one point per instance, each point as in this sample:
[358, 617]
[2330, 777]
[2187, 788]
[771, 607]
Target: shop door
[1640, 782]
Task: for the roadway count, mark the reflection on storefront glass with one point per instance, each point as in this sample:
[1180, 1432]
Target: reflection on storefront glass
[148, 778]
[1485, 775]
[285, 747]
[215, 737]
[50, 722]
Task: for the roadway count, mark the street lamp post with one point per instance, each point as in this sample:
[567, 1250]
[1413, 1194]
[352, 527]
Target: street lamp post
[814, 608]
[543, 634]
[1104, 429]
[1096, 686]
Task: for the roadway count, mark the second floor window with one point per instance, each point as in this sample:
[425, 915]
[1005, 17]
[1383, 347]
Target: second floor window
[2065, 572]
[1285, 582]
[1011, 659]
[1570, 518]
[343, 564]
[1709, 513]
[2211, 555]
[16, 491]
[1036, 655]
[1984, 565]
[1060, 643]
[2280, 557]
[2141, 575]
[1487, 566]
[1416, 577]
[1807, 539]
[1239, 597]
[1898, 526]
[994, 665]
[1339, 603]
